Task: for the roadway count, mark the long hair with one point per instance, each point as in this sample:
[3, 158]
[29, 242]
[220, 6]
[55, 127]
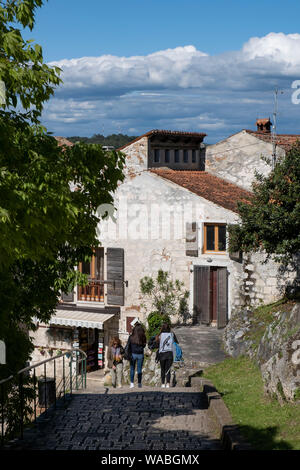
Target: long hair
[165, 328]
[138, 335]
[113, 340]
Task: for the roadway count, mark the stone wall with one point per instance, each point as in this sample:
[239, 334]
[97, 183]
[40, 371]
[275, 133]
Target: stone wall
[273, 341]
[237, 157]
[136, 157]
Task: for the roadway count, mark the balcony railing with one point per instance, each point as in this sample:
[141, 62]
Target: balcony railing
[92, 292]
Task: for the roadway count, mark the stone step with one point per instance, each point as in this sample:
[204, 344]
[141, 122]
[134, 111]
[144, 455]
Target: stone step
[95, 389]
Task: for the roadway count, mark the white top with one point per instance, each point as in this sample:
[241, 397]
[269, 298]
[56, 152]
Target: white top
[166, 342]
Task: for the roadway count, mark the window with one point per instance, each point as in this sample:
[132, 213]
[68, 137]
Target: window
[176, 156]
[94, 290]
[167, 156]
[214, 237]
[156, 156]
[193, 156]
[185, 156]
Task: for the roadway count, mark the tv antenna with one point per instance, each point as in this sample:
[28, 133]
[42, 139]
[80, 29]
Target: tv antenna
[274, 127]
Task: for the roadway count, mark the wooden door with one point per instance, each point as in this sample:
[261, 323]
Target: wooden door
[202, 294]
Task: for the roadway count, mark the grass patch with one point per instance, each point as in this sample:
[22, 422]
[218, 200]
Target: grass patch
[263, 421]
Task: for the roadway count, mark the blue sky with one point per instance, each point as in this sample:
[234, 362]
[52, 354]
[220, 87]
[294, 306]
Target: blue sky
[181, 65]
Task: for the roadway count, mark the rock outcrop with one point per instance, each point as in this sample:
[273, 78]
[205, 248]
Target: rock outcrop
[273, 341]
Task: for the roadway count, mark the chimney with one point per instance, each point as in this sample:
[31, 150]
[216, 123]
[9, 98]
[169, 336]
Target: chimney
[263, 126]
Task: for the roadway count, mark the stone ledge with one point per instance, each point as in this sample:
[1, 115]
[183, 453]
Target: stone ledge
[229, 433]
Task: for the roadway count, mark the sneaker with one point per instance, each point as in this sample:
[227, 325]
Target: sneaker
[168, 386]
[119, 386]
[131, 385]
[163, 386]
[140, 385]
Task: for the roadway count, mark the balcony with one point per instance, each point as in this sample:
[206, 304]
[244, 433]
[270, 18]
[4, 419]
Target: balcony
[92, 292]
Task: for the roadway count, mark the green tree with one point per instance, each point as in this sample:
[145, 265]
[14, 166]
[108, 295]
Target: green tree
[46, 227]
[270, 222]
[167, 298]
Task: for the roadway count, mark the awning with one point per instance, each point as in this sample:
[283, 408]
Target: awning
[80, 318]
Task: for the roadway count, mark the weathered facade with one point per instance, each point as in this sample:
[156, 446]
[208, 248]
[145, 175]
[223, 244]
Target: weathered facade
[238, 157]
[172, 211]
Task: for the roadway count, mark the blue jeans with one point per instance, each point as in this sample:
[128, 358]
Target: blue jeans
[139, 358]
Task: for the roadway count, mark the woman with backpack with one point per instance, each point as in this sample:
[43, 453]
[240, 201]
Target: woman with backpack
[165, 341]
[136, 344]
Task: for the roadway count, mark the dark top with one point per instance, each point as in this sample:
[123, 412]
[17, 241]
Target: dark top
[137, 348]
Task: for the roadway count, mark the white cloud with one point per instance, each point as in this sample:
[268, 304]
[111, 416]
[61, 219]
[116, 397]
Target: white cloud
[276, 47]
[176, 87]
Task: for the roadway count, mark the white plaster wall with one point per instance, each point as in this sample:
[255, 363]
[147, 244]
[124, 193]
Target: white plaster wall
[151, 227]
[236, 158]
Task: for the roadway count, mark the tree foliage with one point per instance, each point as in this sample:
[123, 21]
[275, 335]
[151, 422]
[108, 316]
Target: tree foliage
[114, 140]
[166, 297]
[271, 221]
[48, 194]
[27, 79]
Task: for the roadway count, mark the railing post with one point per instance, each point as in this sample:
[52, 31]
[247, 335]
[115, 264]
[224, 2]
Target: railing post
[54, 367]
[71, 361]
[76, 370]
[45, 375]
[2, 415]
[64, 378]
[21, 398]
[34, 383]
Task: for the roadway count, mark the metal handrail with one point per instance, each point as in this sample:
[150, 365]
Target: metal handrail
[26, 369]
[20, 373]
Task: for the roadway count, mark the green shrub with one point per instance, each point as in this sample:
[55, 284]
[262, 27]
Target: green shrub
[155, 320]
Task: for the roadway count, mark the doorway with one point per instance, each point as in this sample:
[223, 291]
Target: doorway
[211, 295]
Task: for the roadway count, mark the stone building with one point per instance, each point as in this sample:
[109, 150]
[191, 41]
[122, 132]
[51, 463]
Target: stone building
[238, 157]
[171, 213]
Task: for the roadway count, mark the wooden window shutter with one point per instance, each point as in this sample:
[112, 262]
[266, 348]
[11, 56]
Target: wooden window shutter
[115, 276]
[67, 297]
[222, 297]
[191, 239]
[202, 293]
[128, 324]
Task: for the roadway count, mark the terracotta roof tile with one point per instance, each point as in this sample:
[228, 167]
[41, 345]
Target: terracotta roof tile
[208, 186]
[62, 141]
[263, 121]
[164, 132]
[283, 140]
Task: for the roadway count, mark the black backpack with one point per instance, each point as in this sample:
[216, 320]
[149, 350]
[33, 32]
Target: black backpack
[127, 351]
[152, 343]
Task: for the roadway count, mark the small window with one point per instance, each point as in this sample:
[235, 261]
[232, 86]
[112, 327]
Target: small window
[156, 156]
[193, 156]
[167, 156]
[176, 156]
[214, 237]
[185, 156]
